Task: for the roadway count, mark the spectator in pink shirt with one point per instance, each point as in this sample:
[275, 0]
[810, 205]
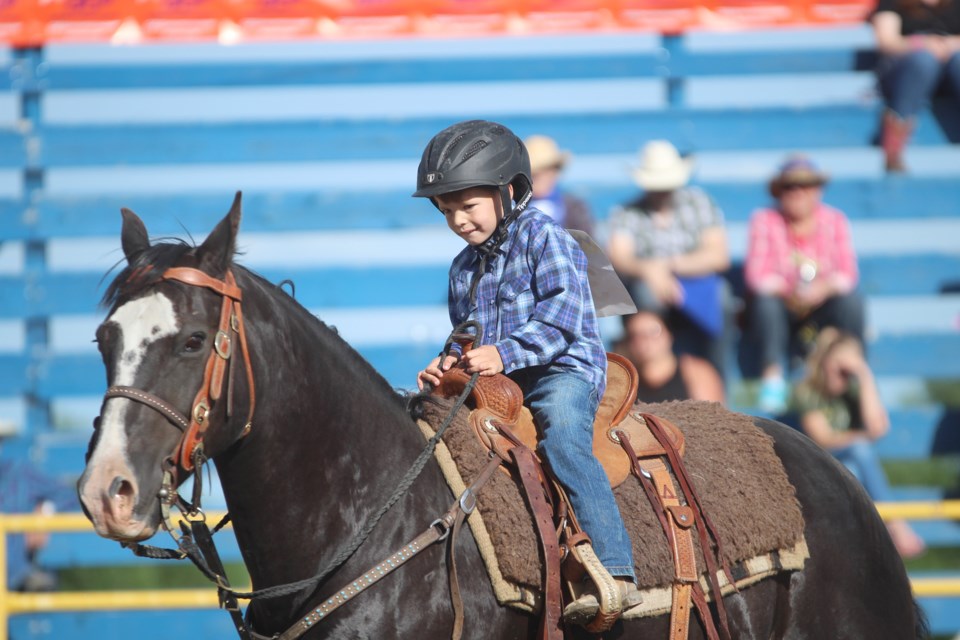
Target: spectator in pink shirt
[800, 271]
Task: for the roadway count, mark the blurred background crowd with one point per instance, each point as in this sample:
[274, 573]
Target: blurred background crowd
[790, 240]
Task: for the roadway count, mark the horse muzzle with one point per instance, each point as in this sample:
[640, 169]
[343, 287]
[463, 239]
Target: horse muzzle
[110, 499]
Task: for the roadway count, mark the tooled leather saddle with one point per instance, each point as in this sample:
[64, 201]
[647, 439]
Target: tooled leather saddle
[625, 443]
[497, 402]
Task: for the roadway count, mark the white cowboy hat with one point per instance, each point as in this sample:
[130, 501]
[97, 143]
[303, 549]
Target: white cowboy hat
[545, 154]
[661, 167]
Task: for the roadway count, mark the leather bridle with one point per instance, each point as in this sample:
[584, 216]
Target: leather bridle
[216, 374]
[190, 456]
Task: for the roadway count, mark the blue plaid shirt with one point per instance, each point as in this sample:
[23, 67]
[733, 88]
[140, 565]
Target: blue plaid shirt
[533, 301]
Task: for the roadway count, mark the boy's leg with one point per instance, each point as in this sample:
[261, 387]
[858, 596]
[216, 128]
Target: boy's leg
[564, 407]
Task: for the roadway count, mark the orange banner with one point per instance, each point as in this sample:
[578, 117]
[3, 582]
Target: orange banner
[34, 22]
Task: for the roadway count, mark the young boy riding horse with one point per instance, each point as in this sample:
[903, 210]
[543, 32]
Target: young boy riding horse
[523, 279]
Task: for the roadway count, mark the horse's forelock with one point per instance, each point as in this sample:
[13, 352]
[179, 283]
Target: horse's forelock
[145, 270]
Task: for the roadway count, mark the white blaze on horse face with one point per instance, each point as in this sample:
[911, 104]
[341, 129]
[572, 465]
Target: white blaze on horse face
[142, 322]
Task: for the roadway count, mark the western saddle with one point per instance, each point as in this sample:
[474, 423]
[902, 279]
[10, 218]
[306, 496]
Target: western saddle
[625, 442]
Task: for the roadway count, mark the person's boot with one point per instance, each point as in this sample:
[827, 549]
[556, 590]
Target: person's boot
[585, 608]
[895, 132]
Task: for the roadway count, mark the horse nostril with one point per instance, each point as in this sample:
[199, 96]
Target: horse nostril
[122, 489]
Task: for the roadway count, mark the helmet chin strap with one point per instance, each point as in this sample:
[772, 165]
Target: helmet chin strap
[489, 246]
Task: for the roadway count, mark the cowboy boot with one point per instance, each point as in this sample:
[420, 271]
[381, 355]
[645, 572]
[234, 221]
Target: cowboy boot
[894, 135]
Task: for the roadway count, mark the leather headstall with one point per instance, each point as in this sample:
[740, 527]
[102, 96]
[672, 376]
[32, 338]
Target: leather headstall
[216, 375]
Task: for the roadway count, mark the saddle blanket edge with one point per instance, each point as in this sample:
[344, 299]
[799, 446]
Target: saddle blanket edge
[656, 600]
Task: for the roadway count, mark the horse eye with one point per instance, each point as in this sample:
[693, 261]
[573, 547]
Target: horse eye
[195, 342]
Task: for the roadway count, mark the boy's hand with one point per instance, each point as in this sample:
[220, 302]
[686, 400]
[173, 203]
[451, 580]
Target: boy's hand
[484, 360]
[432, 374]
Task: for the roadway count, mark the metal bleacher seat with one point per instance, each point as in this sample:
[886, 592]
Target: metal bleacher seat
[324, 139]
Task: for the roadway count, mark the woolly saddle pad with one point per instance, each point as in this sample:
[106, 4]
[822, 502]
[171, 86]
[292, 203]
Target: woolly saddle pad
[742, 486]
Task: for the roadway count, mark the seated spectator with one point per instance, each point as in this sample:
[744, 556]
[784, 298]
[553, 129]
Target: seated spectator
[25, 489]
[670, 247]
[919, 45]
[839, 408]
[546, 165]
[648, 344]
[800, 271]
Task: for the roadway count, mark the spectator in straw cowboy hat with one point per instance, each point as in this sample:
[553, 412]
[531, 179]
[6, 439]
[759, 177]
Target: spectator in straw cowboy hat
[547, 162]
[800, 271]
[670, 247]
[25, 489]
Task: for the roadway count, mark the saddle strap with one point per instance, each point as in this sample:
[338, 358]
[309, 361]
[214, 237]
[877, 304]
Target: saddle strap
[551, 621]
[466, 503]
[705, 528]
[679, 519]
[680, 540]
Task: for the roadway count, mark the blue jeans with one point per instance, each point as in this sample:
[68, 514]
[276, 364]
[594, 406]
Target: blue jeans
[564, 407]
[909, 80]
[864, 463]
[772, 324]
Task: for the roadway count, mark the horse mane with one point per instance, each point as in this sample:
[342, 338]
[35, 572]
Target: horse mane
[145, 270]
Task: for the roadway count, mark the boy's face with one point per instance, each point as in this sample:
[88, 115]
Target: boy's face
[472, 214]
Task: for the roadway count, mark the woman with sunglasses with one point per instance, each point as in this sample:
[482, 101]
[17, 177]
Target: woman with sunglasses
[801, 273]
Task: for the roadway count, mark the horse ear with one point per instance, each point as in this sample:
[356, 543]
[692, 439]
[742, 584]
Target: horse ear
[133, 236]
[217, 250]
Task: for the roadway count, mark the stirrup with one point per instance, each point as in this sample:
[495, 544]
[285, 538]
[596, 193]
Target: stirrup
[604, 591]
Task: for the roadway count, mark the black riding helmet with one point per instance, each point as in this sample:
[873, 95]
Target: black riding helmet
[476, 153]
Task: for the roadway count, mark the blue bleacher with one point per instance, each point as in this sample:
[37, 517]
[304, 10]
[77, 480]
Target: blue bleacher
[324, 139]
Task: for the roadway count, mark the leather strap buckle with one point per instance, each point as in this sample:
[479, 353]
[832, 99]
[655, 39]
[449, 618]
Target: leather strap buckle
[200, 412]
[222, 344]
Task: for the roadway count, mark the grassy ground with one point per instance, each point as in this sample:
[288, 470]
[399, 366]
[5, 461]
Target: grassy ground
[170, 574]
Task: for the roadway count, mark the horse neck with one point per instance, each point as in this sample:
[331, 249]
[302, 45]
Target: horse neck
[330, 440]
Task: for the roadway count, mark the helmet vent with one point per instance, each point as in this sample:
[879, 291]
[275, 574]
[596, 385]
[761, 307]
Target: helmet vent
[473, 149]
[497, 130]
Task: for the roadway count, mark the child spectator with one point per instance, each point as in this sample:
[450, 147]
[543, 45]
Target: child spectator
[919, 44]
[670, 247]
[547, 162]
[800, 270]
[839, 408]
[524, 280]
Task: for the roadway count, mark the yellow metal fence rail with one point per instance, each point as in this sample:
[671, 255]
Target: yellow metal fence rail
[18, 603]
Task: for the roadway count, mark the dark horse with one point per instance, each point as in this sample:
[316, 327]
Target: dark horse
[329, 442]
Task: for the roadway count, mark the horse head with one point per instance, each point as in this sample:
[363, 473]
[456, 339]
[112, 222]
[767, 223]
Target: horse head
[170, 344]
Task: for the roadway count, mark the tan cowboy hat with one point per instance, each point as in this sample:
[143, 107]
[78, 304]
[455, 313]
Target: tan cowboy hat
[797, 169]
[545, 154]
[661, 167]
